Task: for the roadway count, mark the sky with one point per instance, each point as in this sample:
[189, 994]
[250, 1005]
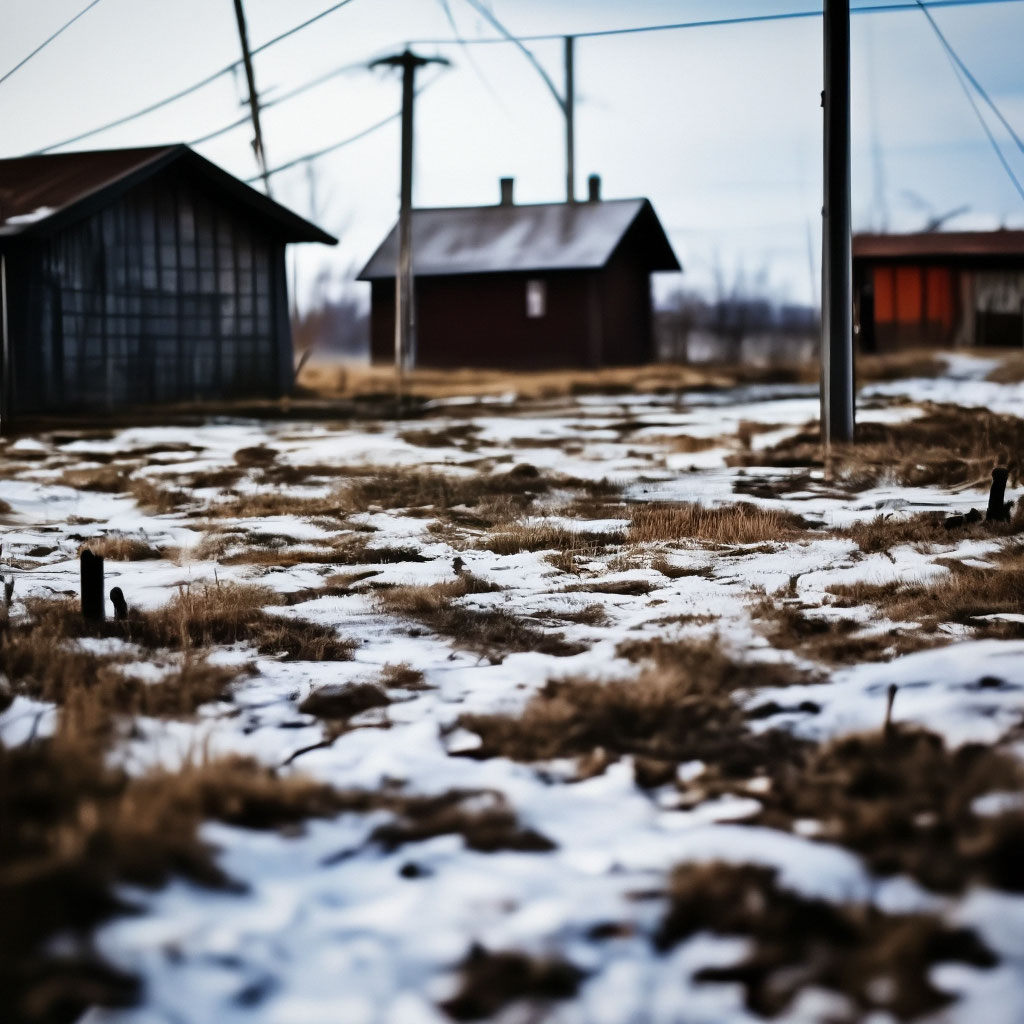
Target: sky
[720, 127]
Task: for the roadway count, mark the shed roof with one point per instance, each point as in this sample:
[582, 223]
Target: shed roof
[931, 244]
[509, 238]
[45, 192]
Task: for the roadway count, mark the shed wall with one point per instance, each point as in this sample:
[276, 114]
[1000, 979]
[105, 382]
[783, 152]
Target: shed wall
[168, 294]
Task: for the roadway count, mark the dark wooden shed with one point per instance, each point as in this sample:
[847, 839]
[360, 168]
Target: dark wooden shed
[939, 288]
[525, 287]
[137, 276]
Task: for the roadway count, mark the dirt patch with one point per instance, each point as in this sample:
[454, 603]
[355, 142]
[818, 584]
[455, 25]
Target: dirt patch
[880, 962]
[339, 702]
[742, 523]
[492, 981]
[483, 819]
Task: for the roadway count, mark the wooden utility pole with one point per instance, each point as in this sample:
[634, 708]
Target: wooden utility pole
[404, 316]
[837, 258]
[569, 106]
[254, 98]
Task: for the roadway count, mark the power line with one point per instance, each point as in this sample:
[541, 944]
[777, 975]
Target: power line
[307, 157]
[750, 19]
[195, 87]
[46, 42]
[960, 77]
[283, 98]
[954, 56]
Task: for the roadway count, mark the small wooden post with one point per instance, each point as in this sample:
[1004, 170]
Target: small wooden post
[887, 728]
[92, 586]
[119, 603]
[997, 510]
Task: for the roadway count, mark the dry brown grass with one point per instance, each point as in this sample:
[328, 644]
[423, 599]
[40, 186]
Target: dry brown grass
[880, 962]
[886, 366]
[742, 523]
[948, 446]
[905, 803]
[151, 497]
[104, 480]
[567, 542]
[491, 632]
[675, 572]
[962, 595]
[491, 981]
[72, 828]
[679, 709]
[925, 530]
[1009, 371]
[122, 548]
[831, 641]
[365, 381]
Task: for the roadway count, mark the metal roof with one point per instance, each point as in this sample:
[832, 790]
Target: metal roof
[510, 238]
[46, 192]
[930, 244]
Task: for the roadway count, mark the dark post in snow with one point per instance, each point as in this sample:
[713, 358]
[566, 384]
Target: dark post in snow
[92, 586]
[837, 258]
[997, 508]
[570, 123]
[119, 603]
[404, 317]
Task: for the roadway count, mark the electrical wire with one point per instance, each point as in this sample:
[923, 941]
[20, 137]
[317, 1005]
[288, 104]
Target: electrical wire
[46, 42]
[284, 97]
[308, 157]
[195, 87]
[749, 19]
[955, 57]
[964, 84]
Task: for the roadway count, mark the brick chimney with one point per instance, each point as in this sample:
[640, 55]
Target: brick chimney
[506, 191]
[594, 188]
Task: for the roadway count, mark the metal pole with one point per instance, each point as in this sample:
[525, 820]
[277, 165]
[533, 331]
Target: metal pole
[837, 418]
[405, 341]
[5, 353]
[254, 99]
[403, 281]
[570, 123]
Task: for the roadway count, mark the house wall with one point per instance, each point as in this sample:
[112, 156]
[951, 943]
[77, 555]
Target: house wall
[480, 320]
[592, 318]
[626, 302]
[908, 304]
[168, 294]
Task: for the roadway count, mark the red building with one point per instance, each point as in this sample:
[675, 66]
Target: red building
[525, 287]
[951, 289]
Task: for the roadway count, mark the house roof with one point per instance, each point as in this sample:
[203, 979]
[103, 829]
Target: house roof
[46, 192]
[931, 244]
[510, 238]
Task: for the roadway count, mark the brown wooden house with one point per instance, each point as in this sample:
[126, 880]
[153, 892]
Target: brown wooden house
[939, 288]
[136, 276]
[525, 287]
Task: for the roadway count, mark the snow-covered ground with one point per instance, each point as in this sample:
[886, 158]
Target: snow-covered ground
[334, 928]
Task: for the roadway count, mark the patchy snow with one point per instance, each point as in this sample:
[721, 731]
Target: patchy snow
[330, 928]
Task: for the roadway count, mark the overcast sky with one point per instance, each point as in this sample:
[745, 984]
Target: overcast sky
[720, 127]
